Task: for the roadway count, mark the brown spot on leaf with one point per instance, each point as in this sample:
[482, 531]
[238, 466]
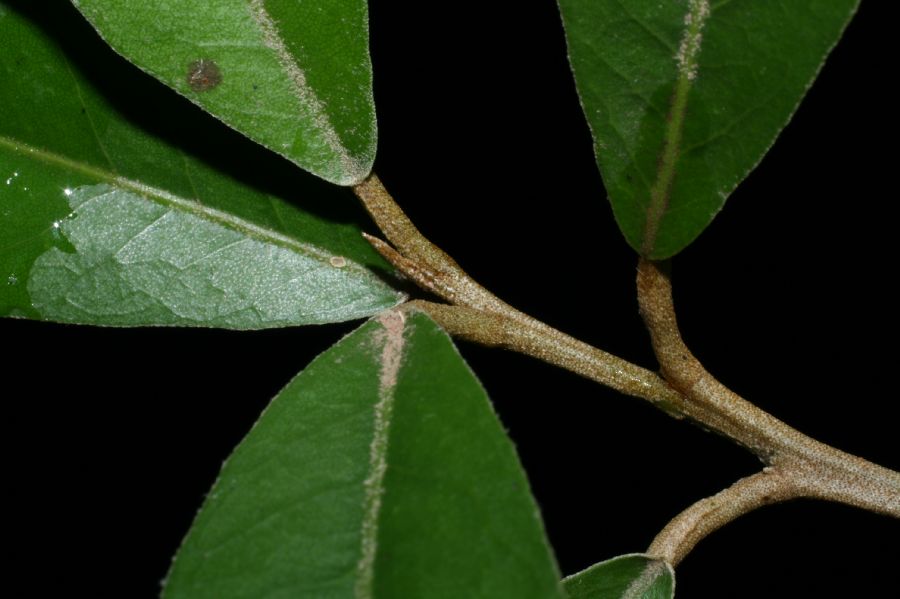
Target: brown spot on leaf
[203, 75]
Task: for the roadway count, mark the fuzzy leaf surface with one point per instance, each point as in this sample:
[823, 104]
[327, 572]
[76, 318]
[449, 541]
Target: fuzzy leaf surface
[625, 577]
[293, 76]
[685, 97]
[380, 471]
[114, 215]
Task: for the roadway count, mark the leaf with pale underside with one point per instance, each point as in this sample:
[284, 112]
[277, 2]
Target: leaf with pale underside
[380, 471]
[111, 215]
[625, 577]
[293, 76]
[685, 97]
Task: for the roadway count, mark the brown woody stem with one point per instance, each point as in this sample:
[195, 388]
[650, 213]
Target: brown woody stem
[553, 347]
[817, 470]
[707, 515]
[796, 465]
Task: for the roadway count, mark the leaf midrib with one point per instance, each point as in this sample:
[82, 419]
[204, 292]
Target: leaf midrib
[304, 92]
[660, 193]
[175, 202]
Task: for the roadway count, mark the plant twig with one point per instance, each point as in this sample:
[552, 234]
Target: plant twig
[796, 465]
[707, 515]
[418, 258]
[817, 470]
[553, 347]
[479, 316]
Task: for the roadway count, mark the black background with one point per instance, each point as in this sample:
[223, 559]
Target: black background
[112, 437]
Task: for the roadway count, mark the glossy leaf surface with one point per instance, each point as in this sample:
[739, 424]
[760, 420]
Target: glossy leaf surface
[293, 76]
[624, 577]
[380, 471]
[114, 216]
[685, 97]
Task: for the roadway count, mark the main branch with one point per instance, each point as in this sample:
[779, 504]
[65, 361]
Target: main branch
[796, 465]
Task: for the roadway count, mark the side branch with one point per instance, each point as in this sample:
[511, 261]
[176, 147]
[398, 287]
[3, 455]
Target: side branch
[692, 525]
[817, 470]
[425, 263]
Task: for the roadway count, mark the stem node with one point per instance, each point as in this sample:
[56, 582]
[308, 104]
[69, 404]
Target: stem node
[796, 465]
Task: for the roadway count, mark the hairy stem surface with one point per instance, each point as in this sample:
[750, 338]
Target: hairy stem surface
[707, 515]
[817, 470]
[796, 465]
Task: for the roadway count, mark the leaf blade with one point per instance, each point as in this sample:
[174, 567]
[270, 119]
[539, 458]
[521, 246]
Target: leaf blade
[291, 76]
[72, 123]
[409, 487]
[684, 99]
[633, 576]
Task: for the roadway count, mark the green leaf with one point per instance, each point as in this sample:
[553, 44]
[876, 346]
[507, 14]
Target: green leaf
[105, 219]
[632, 576]
[684, 98]
[380, 471]
[293, 76]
